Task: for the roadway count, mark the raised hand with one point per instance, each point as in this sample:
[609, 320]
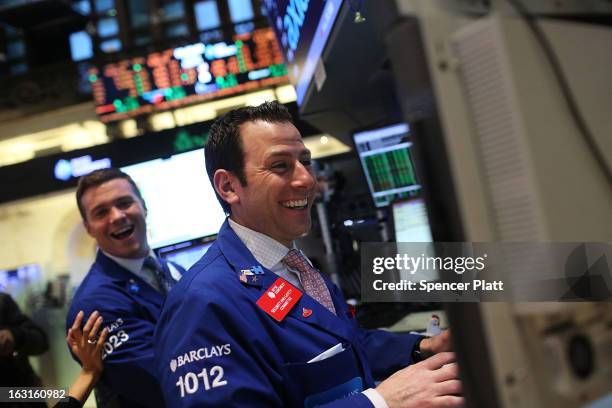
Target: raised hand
[86, 345]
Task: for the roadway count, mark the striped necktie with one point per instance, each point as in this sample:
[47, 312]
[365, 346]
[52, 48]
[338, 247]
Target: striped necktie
[162, 277]
[311, 279]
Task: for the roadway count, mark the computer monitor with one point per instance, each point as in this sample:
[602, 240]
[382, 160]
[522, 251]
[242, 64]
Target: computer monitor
[410, 222]
[526, 169]
[385, 154]
[181, 203]
[22, 282]
[187, 253]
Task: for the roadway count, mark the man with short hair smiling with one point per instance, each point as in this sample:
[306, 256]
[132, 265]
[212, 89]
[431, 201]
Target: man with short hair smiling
[126, 285]
[254, 324]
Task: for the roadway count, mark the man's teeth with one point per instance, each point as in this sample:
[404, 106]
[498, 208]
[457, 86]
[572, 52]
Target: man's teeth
[123, 232]
[296, 203]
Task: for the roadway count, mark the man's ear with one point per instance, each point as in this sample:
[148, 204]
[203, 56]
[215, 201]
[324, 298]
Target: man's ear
[87, 227]
[225, 185]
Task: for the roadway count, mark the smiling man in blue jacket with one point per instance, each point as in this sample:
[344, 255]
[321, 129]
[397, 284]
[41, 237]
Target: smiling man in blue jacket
[253, 324]
[126, 285]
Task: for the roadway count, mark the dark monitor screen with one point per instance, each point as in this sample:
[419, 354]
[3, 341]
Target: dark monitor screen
[187, 253]
[410, 221]
[386, 158]
[303, 29]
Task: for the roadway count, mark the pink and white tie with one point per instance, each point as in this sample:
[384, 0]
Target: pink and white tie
[311, 279]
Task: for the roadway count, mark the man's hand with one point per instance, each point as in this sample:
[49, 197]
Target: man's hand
[436, 344]
[7, 342]
[432, 383]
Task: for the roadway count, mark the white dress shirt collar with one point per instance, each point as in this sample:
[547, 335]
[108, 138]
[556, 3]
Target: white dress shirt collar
[267, 251]
[135, 266]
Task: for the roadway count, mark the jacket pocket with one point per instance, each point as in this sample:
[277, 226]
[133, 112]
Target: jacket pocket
[339, 372]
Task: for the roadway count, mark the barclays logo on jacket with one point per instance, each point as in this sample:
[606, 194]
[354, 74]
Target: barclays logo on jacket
[199, 354]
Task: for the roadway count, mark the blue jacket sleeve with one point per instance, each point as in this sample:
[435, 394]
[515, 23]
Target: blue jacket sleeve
[128, 351]
[214, 353]
[386, 351]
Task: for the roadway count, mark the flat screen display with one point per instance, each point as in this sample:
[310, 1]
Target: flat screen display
[22, 283]
[410, 221]
[181, 203]
[186, 254]
[193, 73]
[303, 28]
[386, 158]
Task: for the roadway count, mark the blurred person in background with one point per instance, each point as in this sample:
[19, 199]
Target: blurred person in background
[20, 337]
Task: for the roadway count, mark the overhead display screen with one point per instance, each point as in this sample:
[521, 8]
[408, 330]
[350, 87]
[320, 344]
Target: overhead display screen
[303, 28]
[181, 203]
[184, 75]
[386, 157]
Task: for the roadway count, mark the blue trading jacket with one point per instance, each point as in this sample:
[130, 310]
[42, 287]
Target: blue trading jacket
[215, 347]
[130, 308]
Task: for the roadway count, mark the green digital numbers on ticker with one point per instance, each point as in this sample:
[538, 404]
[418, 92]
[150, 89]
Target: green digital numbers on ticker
[126, 105]
[184, 141]
[174, 93]
[278, 70]
[227, 81]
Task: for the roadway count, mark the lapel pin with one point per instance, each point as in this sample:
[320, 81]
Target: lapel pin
[306, 312]
[133, 287]
[248, 277]
[257, 270]
[244, 274]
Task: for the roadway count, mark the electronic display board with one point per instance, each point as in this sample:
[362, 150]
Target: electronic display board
[22, 283]
[181, 203]
[184, 75]
[187, 253]
[386, 158]
[410, 221]
[303, 28]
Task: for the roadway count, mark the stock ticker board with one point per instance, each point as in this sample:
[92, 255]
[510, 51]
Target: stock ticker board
[184, 75]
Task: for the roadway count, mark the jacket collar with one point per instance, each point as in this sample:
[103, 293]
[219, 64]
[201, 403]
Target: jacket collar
[260, 278]
[131, 283]
[234, 250]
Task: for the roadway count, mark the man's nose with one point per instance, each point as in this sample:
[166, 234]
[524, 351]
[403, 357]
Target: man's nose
[303, 177]
[116, 214]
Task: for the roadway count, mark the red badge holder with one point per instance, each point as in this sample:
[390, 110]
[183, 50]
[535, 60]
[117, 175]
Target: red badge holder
[279, 299]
